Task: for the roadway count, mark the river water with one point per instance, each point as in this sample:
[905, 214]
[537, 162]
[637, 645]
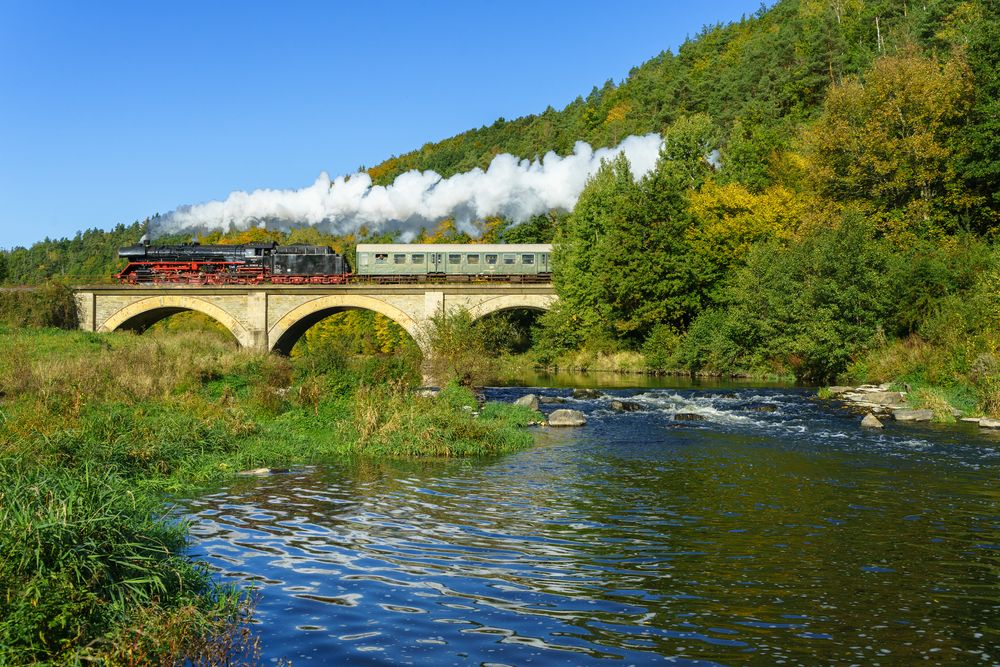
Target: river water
[774, 531]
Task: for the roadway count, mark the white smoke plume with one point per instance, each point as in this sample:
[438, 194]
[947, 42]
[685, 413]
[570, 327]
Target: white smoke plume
[510, 187]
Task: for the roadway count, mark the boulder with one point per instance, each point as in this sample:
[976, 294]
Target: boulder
[971, 420]
[688, 417]
[837, 390]
[904, 415]
[567, 418]
[892, 399]
[764, 407]
[528, 401]
[546, 400]
[986, 422]
[261, 472]
[425, 392]
[586, 393]
[871, 421]
[626, 406]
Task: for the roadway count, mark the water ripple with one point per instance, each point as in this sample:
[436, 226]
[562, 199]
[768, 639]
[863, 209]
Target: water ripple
[773, 531]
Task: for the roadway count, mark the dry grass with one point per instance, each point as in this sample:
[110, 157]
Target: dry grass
[610, 362]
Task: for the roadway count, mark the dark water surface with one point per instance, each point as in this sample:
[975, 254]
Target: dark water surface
[754, 536]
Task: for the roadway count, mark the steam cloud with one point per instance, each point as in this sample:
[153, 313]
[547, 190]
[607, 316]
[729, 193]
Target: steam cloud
[510, 187]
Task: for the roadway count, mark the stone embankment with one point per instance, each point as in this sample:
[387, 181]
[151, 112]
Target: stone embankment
[879, 402]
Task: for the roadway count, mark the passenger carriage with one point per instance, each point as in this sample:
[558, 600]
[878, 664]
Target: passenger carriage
[415, 262]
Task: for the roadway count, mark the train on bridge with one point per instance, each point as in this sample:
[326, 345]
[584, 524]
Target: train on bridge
[271, 263]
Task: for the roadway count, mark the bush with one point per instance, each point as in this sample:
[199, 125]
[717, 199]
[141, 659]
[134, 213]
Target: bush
[50, 305]
[811, 307]
[659, 347]
[457, 350]
[86, 557]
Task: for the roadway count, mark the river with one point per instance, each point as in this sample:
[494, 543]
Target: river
[775, 531]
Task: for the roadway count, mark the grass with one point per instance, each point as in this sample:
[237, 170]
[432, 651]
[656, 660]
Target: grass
[956, 374]
[87, 561]
[94, 429]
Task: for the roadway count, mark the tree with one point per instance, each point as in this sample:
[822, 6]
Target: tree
[884, 143]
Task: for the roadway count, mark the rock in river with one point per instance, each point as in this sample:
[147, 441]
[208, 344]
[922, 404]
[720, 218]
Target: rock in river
[586, 393]
[528, 401]
[688, 417]
[567, 418]
[551, 399]
[626, 406]
[913, 415]
[871, 421]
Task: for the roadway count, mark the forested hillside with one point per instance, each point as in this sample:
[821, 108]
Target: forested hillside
[826, 201]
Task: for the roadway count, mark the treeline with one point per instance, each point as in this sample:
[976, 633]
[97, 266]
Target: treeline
[758, 80]
[852, 239]
[87, 257]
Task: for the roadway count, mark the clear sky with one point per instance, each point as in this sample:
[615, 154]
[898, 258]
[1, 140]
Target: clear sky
[114, 111]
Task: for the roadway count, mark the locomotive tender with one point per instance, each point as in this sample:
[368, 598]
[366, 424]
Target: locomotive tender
[254, 263]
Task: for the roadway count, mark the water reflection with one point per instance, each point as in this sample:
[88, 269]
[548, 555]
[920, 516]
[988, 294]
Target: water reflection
[771, 535]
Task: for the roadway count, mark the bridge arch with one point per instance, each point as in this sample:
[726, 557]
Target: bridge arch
[283, 335]
[512, 302]
[142, 314]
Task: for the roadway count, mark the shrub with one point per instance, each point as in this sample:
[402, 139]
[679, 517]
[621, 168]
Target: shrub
[50, 305]
[85, 557]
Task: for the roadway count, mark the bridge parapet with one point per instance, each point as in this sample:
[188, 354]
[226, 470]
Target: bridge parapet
[272, 317]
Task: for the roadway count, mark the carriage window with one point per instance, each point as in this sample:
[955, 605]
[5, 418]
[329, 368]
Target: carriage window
[381, 257]
[363, 258]
[417, 259]
[491, 259]
[454, 259]
[472, 259]
[509, 258]
[399, 259]
[527, 259]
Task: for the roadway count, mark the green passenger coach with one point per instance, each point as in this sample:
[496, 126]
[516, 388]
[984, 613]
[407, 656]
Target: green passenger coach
[527, 262]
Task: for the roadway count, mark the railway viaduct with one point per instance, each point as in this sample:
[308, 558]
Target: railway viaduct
[274, 317]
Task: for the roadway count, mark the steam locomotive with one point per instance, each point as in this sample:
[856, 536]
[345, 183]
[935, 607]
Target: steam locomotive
[247, 264]
[253, 263]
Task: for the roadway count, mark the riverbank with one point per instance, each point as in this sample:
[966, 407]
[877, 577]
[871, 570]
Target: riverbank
[957, 378]
[98, 428]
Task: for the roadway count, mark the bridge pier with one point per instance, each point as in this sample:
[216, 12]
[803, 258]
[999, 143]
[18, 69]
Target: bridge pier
[273, 317]
[257, 321]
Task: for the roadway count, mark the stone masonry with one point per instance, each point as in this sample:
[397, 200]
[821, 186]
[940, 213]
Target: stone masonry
[273, 317]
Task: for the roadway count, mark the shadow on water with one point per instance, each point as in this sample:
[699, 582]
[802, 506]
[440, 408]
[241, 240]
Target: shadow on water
[772, 530]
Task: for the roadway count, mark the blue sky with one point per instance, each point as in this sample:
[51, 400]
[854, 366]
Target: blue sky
[113, 111]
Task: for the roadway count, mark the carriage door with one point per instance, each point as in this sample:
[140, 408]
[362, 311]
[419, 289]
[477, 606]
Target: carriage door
[544, 268]
[438, 263]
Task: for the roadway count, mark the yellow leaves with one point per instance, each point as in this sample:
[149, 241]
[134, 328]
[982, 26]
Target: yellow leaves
[357, 332]
[444, 232]
[732, 219]
[617, 113]
[884, 141]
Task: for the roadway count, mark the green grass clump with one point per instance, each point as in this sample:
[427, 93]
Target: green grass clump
[389, 421]
[86, 561]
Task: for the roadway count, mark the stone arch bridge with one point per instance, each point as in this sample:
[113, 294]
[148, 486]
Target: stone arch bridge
[274, 317]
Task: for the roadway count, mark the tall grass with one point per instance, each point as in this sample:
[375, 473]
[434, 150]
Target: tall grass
[85, 559]
[93, 428]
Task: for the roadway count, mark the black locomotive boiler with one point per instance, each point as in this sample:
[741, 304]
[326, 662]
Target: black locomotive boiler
[246, 264]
